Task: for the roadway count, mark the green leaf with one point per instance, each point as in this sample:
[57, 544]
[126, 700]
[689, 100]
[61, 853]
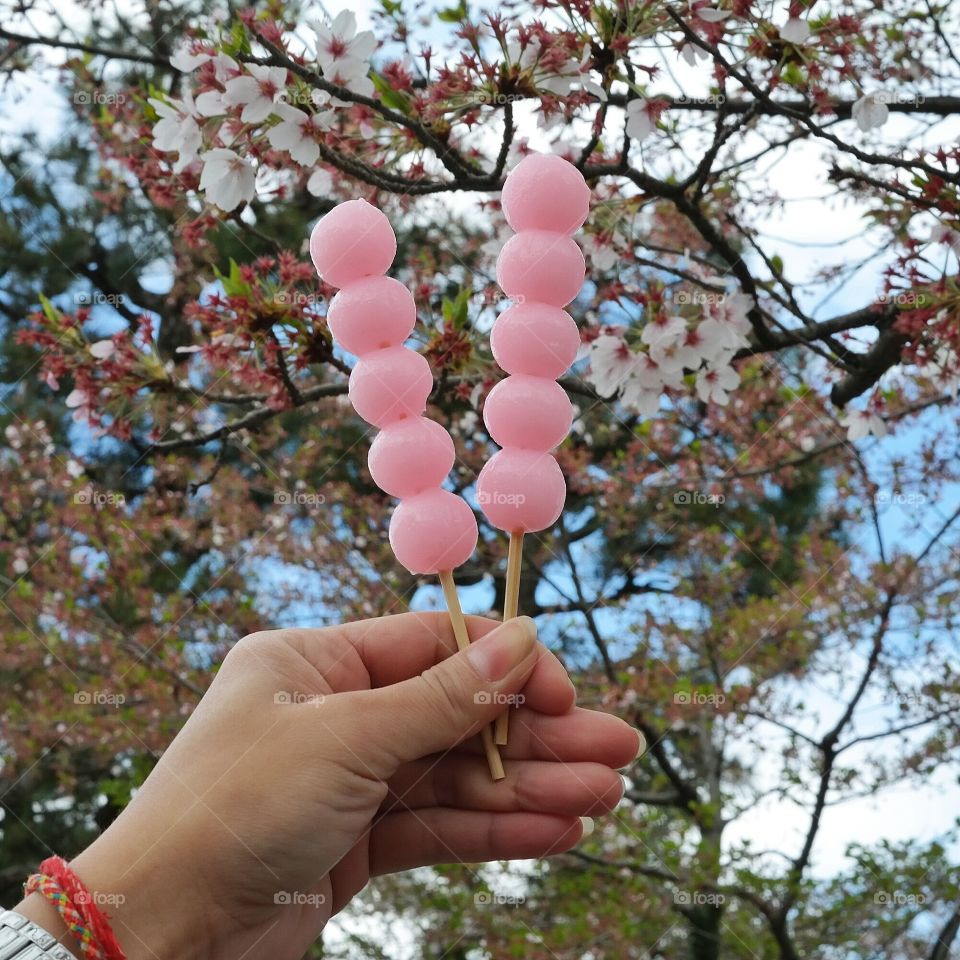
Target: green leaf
[454, 14]
[49, 310]
[233, 284]
[455, 311]
[390, 97]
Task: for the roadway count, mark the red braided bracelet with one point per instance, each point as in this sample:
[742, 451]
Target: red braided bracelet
[75, 904]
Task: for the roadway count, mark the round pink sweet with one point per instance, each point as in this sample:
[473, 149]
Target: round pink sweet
[521, 491]
[540, 265]
[536, 339]
[410, 456]
[388, 385]
[528, 412]
[353, 240]
[371, 314]
[545, 192]
[433, 531]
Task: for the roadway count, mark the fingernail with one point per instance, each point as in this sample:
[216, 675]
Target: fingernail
[587, 823]
[641, 746]
[496, 654]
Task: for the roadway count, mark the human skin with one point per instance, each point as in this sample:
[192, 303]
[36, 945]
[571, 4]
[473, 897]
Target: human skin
[265, 816]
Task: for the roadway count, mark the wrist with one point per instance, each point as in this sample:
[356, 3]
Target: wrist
[145, 907]
[148, 906]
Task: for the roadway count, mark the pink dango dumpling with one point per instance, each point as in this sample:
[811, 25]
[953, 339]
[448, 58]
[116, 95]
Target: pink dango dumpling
[545, 192]
[521, 491]
[371, 314]
[542, 266]
[388, 385]
[528, 412]
[536, 339]
[352, 241]
[433, 531]
[410, 456]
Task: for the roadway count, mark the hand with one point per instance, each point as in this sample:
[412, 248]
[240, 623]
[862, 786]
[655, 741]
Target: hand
[320, 758]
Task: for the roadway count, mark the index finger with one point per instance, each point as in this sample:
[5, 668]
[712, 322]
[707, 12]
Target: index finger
[396, 648]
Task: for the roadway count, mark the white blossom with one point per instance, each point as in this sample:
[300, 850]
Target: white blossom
[227, 179]
[870, 111]
[715, 383]
[795, 30]
[102, 349]
[640, 123]
[611, 362]
[186, 62]
[603, 256]
[320, 183]
[862, 423]
[258, 93]
[668, 345]
[343, 54]
[297, 132]
[177, 129]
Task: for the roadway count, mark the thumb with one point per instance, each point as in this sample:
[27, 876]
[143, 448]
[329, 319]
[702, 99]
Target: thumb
[452, 700]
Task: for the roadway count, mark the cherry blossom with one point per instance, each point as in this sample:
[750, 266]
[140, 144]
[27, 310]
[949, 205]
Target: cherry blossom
[297, 132]
[715, 383]
[320, 183]
[102, 349]
[258, 93]
[668, 345]
[177, 129]
[795, 30]
[611, 363]
[862, 423]
[343, 54]
[227, 179]
[870, 111]
[640, 122]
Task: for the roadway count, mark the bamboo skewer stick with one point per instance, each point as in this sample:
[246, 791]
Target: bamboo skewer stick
[463, 641]
[511, 606]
